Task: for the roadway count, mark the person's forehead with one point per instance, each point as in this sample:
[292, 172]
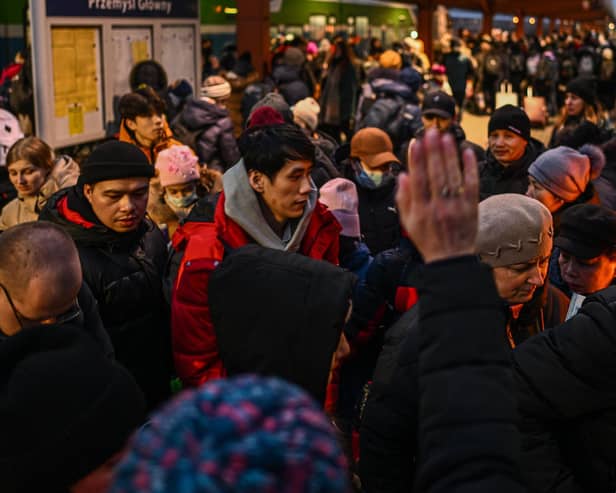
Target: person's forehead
[123, 184]
[20, 164]
[506, 133]
[296, 165]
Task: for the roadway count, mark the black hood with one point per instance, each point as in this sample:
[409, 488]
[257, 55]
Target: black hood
[284, 73]
[279, 313]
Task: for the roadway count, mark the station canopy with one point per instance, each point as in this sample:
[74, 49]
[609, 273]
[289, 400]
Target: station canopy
[576, 10]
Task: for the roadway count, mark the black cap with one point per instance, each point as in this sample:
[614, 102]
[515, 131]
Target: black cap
[510, 118]
[115, 160]
[439, 103]
[587, 231]
[585, 88]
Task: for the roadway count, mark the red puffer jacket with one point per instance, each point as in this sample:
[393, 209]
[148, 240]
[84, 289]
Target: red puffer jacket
[195, 350]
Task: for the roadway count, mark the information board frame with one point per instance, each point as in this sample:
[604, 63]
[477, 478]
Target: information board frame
[55, 130]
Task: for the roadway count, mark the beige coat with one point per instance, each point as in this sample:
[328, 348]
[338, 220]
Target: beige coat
[23, 209]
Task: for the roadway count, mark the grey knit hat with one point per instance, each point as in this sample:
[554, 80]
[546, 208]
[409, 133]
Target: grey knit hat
[276, 101]
[513, 229]
[566, 172]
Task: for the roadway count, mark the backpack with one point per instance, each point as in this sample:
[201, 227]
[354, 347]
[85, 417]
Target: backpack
[184, 134]
[567, 69]
[253, 93]
[400, 120]
[586, 65]
[544, 69]
[532, 62]
[607, 70]
[516, 64]
[492, 65]
[10, 132]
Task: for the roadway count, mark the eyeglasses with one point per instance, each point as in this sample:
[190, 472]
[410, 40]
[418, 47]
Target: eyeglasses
[71, 314]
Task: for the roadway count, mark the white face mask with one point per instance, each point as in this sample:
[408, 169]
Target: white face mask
[181, 202]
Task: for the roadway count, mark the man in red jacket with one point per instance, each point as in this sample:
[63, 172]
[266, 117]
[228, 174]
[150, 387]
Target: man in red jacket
[269, 199]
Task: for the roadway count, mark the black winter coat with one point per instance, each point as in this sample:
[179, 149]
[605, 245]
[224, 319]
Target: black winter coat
[378, 216]
[388, 433]
[125, 274]
[208, 130]
[290, 84]
[468, 441]
[496, 179]
[567, 402]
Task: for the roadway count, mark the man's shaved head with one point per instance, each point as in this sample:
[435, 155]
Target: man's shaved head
[40, 252]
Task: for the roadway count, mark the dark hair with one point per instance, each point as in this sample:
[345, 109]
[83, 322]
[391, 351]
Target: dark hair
[33, 150]
[268, 148]
[143, 102]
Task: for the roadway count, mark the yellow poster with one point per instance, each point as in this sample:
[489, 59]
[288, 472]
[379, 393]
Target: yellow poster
[139, 49]
[75, 80]
[75, 119]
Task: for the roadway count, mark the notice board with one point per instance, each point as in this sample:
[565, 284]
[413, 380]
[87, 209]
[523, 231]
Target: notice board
[83, 52]
[77, 85]
[131, 45]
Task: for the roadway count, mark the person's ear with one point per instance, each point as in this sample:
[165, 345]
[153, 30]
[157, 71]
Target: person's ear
[88, 191]
[256, 180]
[131, 124]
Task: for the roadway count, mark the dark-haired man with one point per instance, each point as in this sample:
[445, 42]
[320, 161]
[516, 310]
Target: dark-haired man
[511, 150]
[268, 199]
[123, 255]
[144, 123]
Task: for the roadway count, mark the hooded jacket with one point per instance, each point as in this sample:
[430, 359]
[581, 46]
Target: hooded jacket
[23, 209]
[124, 272]
[209, 132]
[203, 243]
[494, 178]
[292, 314]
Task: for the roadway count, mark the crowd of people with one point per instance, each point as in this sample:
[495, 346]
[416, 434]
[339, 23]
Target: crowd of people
[314, 282]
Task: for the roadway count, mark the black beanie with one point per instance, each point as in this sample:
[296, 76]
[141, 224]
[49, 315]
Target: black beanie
[114, 160]
[510, 118]
[585, 88]
[65, 408]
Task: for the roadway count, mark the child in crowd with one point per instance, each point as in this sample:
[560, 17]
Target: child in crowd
[178, 173]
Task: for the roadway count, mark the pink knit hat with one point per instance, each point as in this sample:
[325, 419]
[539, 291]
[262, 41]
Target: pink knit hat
[340, 197]
[177, 165]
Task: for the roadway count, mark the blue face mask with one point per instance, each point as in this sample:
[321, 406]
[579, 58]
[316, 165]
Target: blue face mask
[181, 202]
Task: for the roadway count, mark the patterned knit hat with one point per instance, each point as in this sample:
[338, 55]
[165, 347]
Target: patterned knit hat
[236, 435]
[177, 165]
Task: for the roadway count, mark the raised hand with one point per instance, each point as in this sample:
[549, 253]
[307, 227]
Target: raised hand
[437, 200]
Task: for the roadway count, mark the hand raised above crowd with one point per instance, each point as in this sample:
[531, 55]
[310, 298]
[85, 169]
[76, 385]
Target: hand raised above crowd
[437, 199]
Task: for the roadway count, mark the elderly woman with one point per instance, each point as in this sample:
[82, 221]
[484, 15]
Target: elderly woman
[36, 176]
[515, 240]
